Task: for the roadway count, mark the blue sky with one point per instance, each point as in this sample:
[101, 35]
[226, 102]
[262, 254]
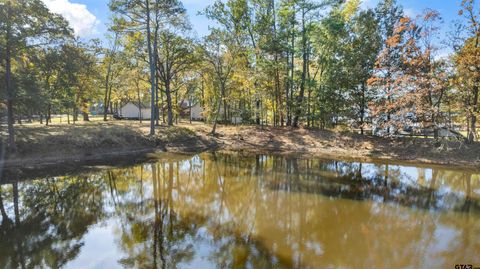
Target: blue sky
[89, 17]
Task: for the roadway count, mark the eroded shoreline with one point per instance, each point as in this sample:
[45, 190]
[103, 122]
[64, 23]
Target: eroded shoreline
[44, 148]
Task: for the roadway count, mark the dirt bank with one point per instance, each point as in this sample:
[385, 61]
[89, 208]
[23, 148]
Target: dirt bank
[349, 146]
[41, 146]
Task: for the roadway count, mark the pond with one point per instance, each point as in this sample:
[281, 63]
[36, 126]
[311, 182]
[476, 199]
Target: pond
[234, 210]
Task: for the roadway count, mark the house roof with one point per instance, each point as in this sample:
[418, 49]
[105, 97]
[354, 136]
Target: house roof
[142, 105]
[187, 104]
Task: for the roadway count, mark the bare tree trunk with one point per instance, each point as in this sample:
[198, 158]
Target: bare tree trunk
[108, 87]
[218, 111]
[176, 103]
[15, 204]
[291, 84]
[108, 104]
[472, 134]
[8, 82]
[2, 208]
[49, 114]
[225, 117]
[202, 102]
[108, 90]
[287, 90]
[157, 107]
[139, 102]
[85, 116]
[85, 110]
[279, 108]
[216, 118]
[162, 107]
[152, 70]
[155, 62]
[299, 106]
[105, 105]
[362, 109]
[30, 116]
[74, 114]
[309, 94]
[169, 103]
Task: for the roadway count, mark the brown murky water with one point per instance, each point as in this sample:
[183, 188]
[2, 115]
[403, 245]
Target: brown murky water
[244, 211]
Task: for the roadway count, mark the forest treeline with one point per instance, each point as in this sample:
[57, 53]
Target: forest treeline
[319, 64]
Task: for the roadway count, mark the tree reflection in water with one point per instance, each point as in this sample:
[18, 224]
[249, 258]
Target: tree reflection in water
[248, 211]
[50, 218]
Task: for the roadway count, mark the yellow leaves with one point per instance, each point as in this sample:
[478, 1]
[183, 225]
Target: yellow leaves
[350, 8]
[85, 107]
[467, 59]
[139, 232]
[240, 254]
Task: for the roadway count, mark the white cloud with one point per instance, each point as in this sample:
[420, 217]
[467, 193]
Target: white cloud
[83, 22]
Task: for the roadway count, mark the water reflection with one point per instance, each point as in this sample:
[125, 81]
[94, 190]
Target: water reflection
[44, 224]
[442, 190]
[244, 211]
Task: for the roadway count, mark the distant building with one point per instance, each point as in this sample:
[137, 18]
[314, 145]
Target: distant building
[195, 109]
[132, 111]
[444, 133]
[234, 116]
[236, 120]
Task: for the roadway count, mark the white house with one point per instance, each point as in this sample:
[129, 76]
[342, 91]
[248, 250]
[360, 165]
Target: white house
[195, 109]
[131, 111]
[236, 120]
